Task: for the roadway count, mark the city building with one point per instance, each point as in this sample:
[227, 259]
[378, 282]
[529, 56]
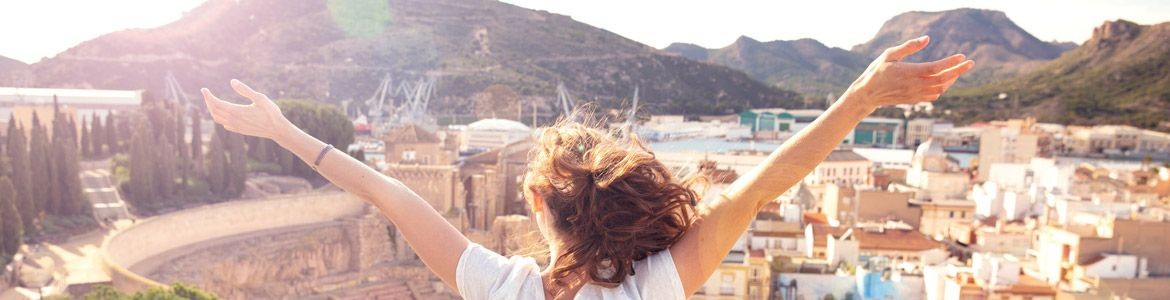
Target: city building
[991, 277]
[473, 192]
[1116, 140]
[1075, 255]
[918, 131]
[903, 248]
[410, 144]
[489, 134]
[779, 124]
[85, 102]
[939, 215]
[882, 206]
[675, 127]
[842, 167]
[1013, 143]
[935, 175]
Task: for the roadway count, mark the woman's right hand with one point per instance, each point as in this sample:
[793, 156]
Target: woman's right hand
[890, 81]
[262, 118]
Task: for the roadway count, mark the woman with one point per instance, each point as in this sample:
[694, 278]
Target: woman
[617, 225]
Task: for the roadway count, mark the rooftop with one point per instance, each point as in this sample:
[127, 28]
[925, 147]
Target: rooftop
[889, 239]
[845, 155]
[411, 134]
[498, 125]
[36, 96]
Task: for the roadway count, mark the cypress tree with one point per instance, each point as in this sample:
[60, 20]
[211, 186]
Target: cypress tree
[197, 142]
[217, 163]
[70, 200]
[164, 169]
[18, 156]
[111, 138]
[11, 226]
[40, 177]
[142, 186]
[238, 164]
[96, 136]
[184, 157]
[86, 151]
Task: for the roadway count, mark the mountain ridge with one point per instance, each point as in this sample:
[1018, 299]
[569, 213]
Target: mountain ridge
[804, 65]
[1119, 76]
[314, 49]
[1001, 48]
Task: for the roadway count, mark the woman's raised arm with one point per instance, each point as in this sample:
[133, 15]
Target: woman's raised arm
[886, 81]
[437, 243]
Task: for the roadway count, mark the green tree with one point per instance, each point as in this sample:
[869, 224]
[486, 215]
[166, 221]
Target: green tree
[11, 227]
[69, 199]
[86, 150]
[40, 177]
[323, 121]
[184, 155]
[97, 136]
[177, 291]
[17, 151]
[237, 165]
[142, 177]
[164, 169]
[111, 138]
[217, 162]
[196, 143]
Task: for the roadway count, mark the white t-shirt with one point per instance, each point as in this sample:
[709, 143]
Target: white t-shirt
[484, 274]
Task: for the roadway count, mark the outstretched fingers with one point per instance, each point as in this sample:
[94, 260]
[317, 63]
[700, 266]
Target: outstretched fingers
[220, 110]
[897, 53]
[951, 73]
[935, 85]
[934, 67]
[246, 91]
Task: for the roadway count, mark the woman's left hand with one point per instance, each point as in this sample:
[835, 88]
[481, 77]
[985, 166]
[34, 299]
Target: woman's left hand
[890, 81]
[262, 118]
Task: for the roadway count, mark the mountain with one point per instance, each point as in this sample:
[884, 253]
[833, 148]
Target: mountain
[340, 50]
[804, 65]
[1119, 76]
[999, 46]
[12, 72]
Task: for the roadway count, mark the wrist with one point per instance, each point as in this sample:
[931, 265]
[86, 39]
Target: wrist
[286, 133]
[857, 102]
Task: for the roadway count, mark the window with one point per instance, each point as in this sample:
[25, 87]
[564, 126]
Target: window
[408, 155]
[727, 288]
[952, 214]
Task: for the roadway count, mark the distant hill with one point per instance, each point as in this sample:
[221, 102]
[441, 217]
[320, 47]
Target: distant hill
[12, 72]
[1119, 76]
[805, 65]
[999, 46]
[309, 49]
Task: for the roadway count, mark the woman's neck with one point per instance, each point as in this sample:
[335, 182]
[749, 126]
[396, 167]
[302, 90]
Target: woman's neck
[551, 288]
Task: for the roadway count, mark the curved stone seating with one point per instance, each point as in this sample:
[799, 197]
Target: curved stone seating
[187, 228]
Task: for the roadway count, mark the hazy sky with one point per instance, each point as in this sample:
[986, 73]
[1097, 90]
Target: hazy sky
[32, 29]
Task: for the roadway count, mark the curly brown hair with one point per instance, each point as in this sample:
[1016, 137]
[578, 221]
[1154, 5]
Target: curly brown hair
[611, 198]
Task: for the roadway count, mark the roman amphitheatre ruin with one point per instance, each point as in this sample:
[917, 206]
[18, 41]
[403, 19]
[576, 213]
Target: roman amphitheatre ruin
[323, 245]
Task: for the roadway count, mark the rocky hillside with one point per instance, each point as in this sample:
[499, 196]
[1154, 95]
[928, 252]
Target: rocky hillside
[12, 72]
[999, 46]
[1119, 76]
[805, 65]
[340, 50]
